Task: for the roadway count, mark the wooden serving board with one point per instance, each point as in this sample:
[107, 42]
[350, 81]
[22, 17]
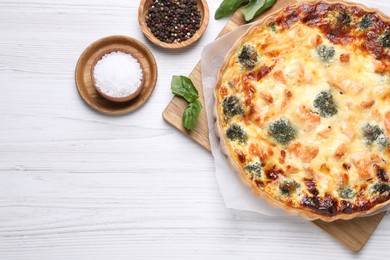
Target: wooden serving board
[352, 233]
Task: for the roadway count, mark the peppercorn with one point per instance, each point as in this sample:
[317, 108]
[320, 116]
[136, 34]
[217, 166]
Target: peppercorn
[173, 20]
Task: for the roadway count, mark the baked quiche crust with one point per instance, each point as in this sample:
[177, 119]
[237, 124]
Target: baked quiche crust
[303, 109]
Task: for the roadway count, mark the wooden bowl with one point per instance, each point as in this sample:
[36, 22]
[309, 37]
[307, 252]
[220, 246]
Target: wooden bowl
[204, 21]
[117, 99]
[84, 78]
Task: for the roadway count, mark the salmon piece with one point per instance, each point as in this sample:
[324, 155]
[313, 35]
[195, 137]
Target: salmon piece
[340, 151]
[279, 76]
[287, 97]
[304, 152]
[315, 40]
[343, 84]
[385, 95]
[273, 53]
[325, 133]
[367, 104]
[345, 57]
[387, 122]
[380, 66]
[343, 179]
[251, 111]
[375, 114]
[301, 73]
[364, 162]
[266, 42]
[271, 50]
[324, 168]
[310, 120]
[345, 130]
[223, 92]
[292, 169]
[266, 95]
[253, 149]
[258, 121]
[260, 150]
[282, 157]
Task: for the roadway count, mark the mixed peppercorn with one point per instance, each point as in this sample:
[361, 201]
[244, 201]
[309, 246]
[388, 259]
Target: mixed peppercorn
[173, 20]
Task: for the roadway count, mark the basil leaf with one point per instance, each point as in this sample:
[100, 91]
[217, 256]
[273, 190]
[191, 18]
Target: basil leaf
[191, 115]
[228, 7]
[182, 86]
[256, 7]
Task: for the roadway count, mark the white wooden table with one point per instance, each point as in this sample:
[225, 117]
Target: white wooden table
[75, 184]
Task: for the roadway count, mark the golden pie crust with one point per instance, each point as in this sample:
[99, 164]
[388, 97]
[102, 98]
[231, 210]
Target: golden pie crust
[303, 109]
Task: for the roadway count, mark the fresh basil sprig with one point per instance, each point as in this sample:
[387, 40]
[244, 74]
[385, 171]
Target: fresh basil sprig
[228, 7]
[182, 86]
[256, 7]
[191, 115]
[252, 8]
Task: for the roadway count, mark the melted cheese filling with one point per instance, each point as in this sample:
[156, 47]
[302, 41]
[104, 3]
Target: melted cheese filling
[332, 150]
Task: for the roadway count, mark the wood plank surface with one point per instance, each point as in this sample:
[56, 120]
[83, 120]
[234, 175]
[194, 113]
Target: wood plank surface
[354, 234]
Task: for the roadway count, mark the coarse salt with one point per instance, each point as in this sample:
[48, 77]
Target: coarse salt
[118, 74]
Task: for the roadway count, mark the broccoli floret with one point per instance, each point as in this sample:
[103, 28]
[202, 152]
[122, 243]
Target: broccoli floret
[380, 187]
[371, 133]
[365, 22]
[344, 18]
[384, 40]
[232, 107]
[236, 133]
[347, 193]
[288, 186]
[326, 53]
[282, 131]
[272, 25]
[254, 168]
[248, 57]
[383, 141]
[325, 104]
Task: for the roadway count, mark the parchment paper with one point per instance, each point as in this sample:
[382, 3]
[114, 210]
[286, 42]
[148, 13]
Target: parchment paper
[236, 194]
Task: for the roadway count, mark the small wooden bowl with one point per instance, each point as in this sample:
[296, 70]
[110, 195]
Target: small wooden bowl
[204, 21]
[84, 76]
[117, 99]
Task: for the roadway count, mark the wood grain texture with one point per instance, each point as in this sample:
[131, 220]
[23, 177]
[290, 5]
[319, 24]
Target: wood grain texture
[354, 233]
[77, 184]
[205, 16]
[86, 85]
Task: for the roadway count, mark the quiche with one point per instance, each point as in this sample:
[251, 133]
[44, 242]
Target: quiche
[303, 109]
